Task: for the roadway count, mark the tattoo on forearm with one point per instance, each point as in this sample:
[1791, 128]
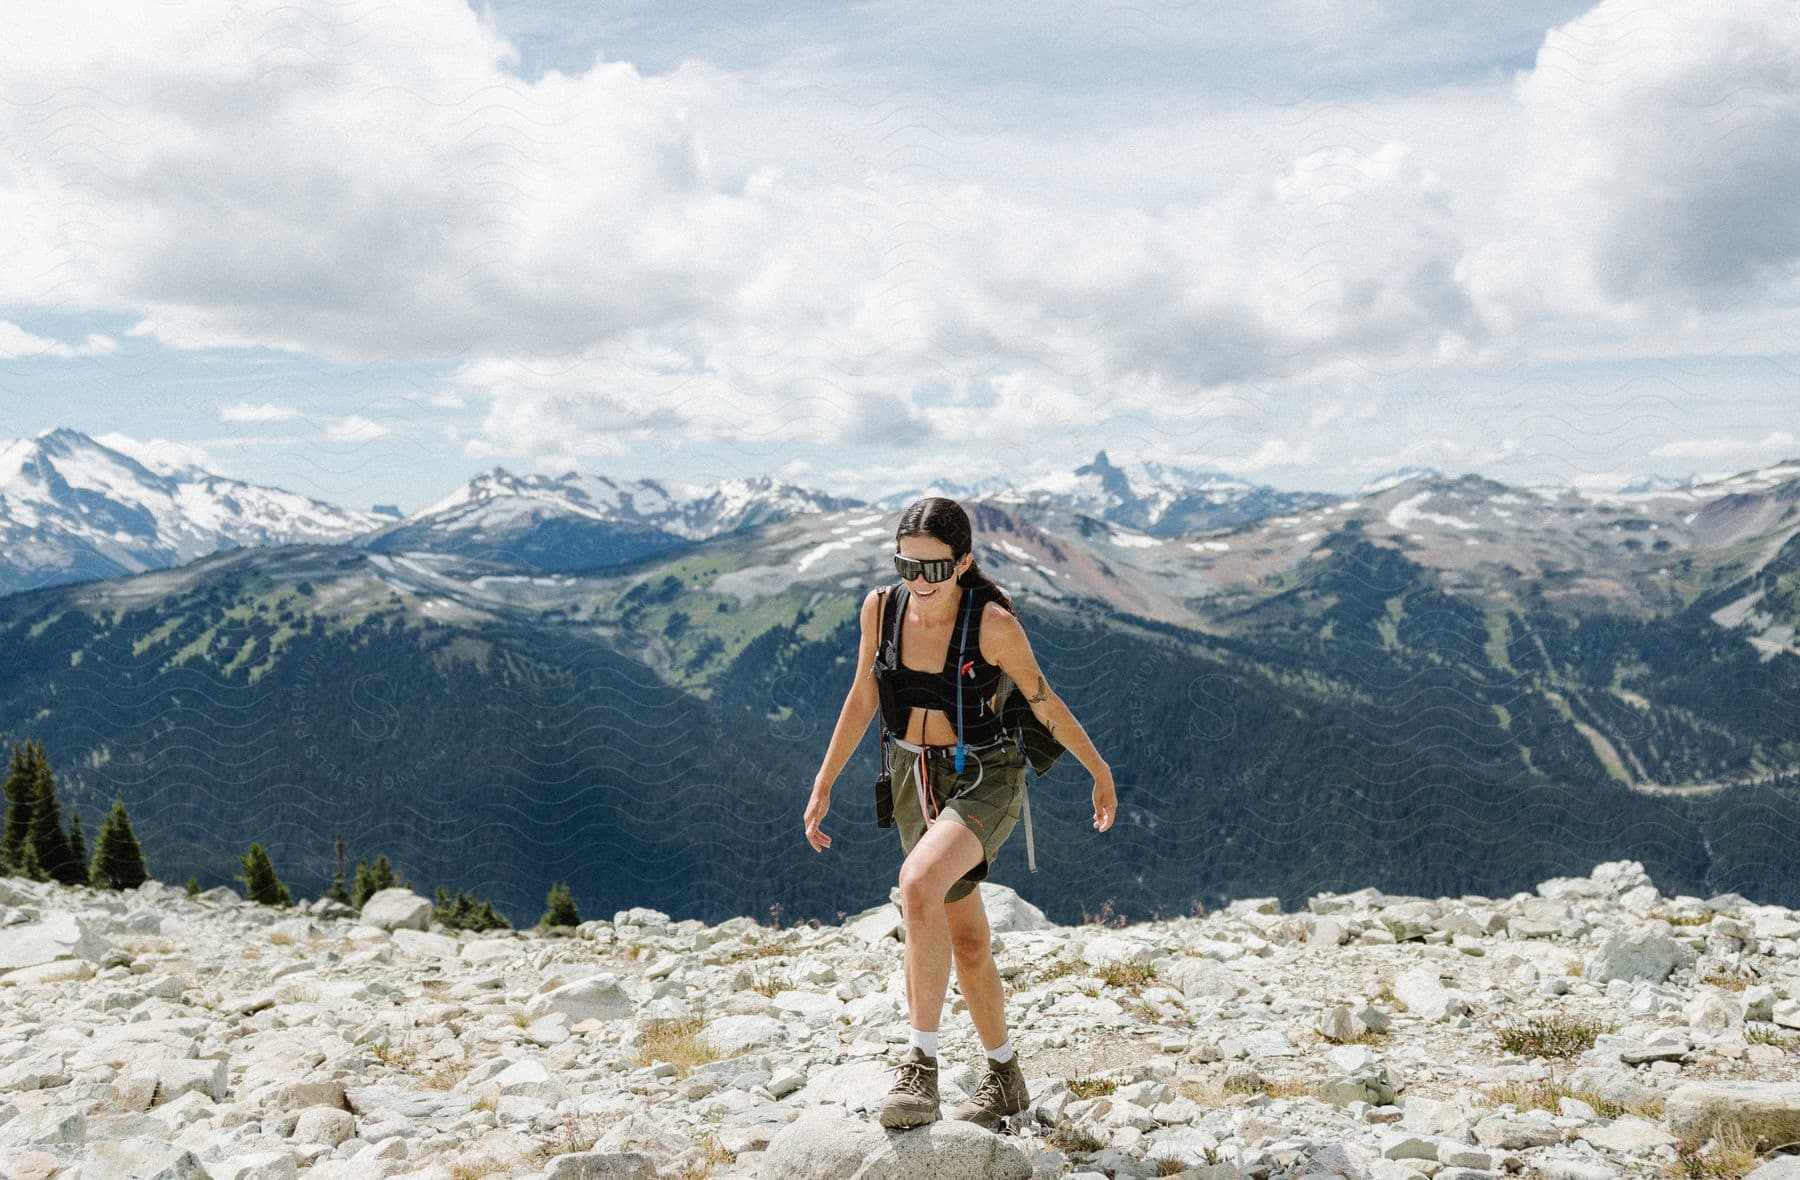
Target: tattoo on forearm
[1043, 690]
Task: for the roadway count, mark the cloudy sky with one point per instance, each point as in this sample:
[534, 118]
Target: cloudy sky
[364, 249]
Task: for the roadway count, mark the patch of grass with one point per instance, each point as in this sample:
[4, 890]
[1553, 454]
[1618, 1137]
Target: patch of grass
[443, 1075]
[676, 1041]
[1758, 1033]
[1685, 919]
[571, 1135]
[473, 1167]
[1092, 1087]
[713, 1155]
[1167, 1165]
[1130, 975]
[1550, 1036]
[1286, 1087]
[1731, 981]
[1547, 1093]
[395, 1056]
[519, 1018]
[1069, 1139]
[1059, 967]
[1728, 1153]
[282, 938]
[1211, 1092]
[1104, 917]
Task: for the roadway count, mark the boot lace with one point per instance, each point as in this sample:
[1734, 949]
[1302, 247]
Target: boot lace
[991, 1094]
[915, 1078]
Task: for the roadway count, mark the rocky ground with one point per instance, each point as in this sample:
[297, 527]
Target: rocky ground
[1590, 1029]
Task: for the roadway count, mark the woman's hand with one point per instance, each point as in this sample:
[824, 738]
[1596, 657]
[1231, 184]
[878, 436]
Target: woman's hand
[1106, 800]
[816, 807]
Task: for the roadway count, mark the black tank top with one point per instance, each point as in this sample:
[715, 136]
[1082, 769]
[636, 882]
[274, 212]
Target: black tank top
[903, 689]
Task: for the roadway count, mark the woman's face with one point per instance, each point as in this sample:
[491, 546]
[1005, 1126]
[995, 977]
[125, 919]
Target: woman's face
[925, 548]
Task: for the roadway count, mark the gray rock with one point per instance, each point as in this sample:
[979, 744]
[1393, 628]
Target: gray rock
[1563, 1167]
[1430, 1116]
[1204, 979]
[397, 909]
[729, 1036]
[1512, 1134]
[823, 1146]
[1338, 1023]
[258, 1165]
[1614, 1085]
[1762, 1108]
[1781, 1167]
[60, 936]
[329, 1125]
[601, 1165]
[1418, 988]
[44, 1126]
[140, 1159]
[1638, 954]
[170, 1078]
[877, 925]
[598, 997]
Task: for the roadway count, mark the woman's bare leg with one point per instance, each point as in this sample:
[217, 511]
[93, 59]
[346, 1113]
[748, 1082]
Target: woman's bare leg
[972, 949]
[942, 855]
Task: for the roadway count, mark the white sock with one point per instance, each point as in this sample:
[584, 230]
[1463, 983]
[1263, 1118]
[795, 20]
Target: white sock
[924, 1042]
[1003, 1054]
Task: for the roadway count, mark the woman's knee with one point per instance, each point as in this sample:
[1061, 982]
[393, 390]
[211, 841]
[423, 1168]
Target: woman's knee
[921, 883]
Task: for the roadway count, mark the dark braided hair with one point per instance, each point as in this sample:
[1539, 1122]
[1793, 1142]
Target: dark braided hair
[944, 519]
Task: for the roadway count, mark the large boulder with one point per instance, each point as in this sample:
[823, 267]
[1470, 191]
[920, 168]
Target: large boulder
[820, 1145]
[397, 909]
[1771, 1109]
[1647, 954]
[62, 936]
[598, 997]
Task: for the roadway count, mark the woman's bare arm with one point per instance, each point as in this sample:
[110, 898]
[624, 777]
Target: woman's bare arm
[860, 703]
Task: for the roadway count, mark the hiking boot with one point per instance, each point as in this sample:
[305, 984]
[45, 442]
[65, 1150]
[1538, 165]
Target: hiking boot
[913, 1101]
[1001, 1092]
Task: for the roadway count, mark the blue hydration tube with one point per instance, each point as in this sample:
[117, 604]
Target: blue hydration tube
[961, 644]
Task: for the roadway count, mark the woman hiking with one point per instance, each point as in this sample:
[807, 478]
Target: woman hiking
[939, 681]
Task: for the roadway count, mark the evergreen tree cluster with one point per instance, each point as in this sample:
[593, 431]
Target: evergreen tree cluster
[35, 845]
[465, 912]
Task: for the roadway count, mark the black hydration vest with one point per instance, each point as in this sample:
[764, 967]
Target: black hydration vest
[902, 688]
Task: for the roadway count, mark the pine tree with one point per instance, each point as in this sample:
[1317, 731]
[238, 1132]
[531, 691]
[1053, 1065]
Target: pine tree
[21, 792]
[372, 879]
[47, 837]
[261, 885]
[337, 892]
[193, 885]
[561, 911]
[118, 861]
[77, 845]
[28, 866]
[464, 912]
[364, 888]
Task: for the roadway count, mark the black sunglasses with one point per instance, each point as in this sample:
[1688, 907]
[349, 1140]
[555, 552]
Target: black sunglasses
[935, 570]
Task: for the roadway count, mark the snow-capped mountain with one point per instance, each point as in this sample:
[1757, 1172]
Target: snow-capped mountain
[73, 509]
[583, 521]
[1158, 500]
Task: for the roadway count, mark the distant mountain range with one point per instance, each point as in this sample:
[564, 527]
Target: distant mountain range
[74, 509]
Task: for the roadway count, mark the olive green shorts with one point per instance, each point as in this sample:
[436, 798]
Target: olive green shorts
[986, 798]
